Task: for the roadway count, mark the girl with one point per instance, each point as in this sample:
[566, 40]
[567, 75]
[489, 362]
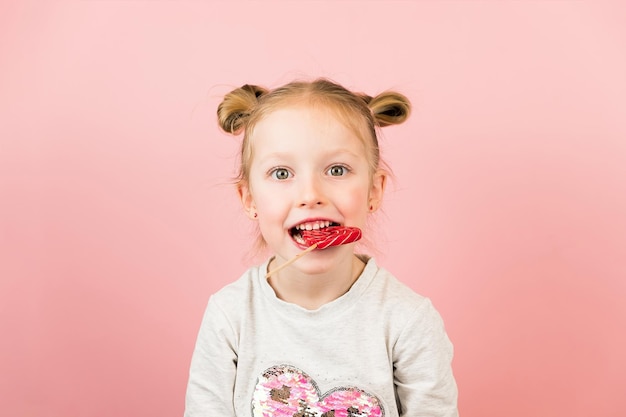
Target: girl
[316, 332]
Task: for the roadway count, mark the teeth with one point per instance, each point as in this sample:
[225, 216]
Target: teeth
[313, 225]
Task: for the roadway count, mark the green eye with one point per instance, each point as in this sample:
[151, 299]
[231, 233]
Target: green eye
[280, 174]
[337, 171]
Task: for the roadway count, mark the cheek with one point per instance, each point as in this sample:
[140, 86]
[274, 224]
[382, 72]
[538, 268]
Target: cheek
[259, 194]
[355, 200]
[270, 204]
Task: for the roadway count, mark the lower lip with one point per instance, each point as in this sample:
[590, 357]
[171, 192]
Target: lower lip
[299, 245]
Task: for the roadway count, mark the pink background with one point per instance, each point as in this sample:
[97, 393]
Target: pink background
[118, 219]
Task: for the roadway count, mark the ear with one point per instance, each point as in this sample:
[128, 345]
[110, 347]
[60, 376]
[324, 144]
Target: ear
[247, 201]
[377, 190]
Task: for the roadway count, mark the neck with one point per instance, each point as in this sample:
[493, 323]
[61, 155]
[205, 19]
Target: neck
[312, 290]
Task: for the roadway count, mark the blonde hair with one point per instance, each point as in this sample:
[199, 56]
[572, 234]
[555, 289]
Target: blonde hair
[244, 107]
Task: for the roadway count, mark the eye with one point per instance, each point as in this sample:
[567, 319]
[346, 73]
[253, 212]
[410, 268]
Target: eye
[280, 174]
[337, 171]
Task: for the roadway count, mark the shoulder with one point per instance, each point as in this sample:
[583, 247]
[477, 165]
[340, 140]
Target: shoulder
[391, 291]
[399, 302]
[234, 298]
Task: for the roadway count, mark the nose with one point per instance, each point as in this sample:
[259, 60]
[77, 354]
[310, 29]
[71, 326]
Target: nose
[310, 193]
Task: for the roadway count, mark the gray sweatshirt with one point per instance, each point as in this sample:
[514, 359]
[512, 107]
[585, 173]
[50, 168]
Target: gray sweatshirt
[378, 350]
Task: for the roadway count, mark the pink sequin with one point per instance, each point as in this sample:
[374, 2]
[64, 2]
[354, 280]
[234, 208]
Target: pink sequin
[285, 391]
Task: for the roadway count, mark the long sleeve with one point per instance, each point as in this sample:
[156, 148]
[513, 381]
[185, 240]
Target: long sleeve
[422, 367]
[213, 367]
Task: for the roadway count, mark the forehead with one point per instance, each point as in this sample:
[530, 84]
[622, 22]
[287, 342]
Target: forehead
[304, 127]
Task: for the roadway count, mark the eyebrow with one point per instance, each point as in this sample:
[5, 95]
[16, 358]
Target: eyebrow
[286, 155]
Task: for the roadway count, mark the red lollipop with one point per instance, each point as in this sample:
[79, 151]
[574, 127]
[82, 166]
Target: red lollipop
[322, 239]
[331, 236]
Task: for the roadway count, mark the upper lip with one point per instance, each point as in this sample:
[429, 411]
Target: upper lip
[312, 220]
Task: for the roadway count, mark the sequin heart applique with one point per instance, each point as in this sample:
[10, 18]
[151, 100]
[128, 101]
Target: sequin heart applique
[285, 391]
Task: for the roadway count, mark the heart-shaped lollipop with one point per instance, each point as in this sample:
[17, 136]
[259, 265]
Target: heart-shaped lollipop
[331, 236]
[322, 239]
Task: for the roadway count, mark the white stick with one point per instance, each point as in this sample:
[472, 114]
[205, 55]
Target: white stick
[292, 260]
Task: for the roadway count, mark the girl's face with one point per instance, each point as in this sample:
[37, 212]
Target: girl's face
[308, 171]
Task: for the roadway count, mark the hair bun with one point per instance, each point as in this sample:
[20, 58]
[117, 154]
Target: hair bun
[236, 107]
[388, 108]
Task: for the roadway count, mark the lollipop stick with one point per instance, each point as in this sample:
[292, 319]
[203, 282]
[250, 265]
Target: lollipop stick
[292, 260]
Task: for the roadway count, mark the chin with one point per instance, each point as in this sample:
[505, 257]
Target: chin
[322, 261]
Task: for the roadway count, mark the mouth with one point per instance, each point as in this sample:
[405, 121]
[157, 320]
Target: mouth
[298, 230]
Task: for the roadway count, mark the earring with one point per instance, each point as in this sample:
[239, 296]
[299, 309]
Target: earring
[255, 215]
[371, 207]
